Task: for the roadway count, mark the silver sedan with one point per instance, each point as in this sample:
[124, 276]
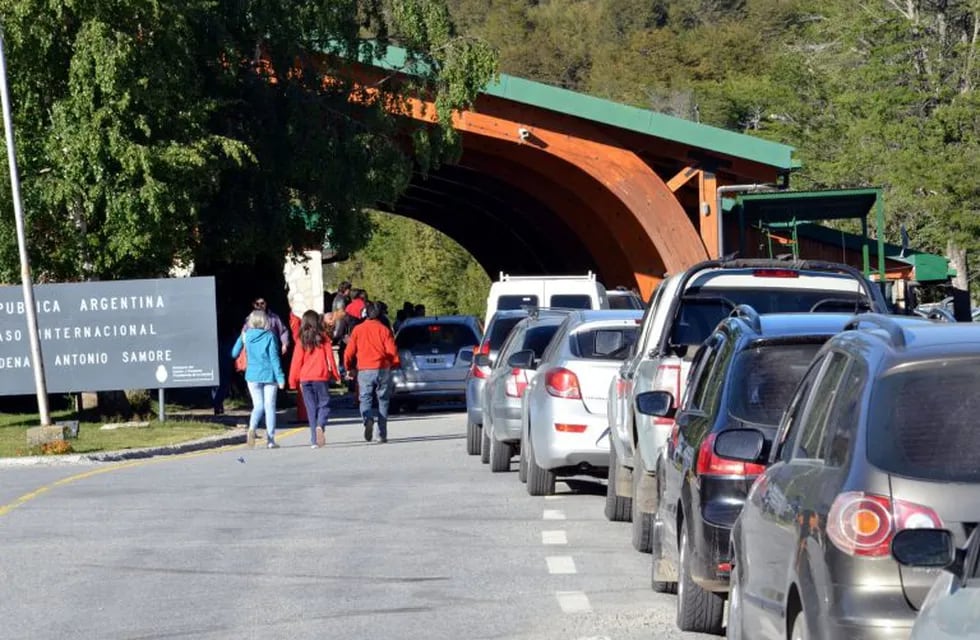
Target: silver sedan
[564, 409]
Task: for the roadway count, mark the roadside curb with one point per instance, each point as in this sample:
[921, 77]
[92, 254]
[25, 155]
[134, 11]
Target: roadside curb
[211, 442]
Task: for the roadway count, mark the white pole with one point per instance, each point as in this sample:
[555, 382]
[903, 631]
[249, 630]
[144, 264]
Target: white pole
[25, 265]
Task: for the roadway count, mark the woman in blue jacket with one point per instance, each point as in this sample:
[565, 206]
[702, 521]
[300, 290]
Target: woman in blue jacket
[263, 373]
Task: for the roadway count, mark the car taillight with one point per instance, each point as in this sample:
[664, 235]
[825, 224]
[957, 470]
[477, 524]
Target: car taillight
[863, 524]
[562, 383]
[480, 372]
[775, 273]
[570, 428]
[516, 383]
[710, 464]
[668, 378]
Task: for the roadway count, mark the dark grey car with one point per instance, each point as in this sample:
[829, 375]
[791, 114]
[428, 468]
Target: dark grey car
[880, 436]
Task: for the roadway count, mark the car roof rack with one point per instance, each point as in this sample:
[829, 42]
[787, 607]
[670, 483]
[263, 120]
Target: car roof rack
[506, 277]
[534, 311]
[891, 328]
[749, 314]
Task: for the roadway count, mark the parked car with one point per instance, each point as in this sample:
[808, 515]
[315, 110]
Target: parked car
[743, 375]
[564, 409]
[684, 310]
[623, 298]
[880, 436]
[496, 332]
[952, 608]
[564, 292]
[509, 377]
[435, 353]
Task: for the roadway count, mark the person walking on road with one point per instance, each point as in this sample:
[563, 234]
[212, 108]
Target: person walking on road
[373, 347]
[276, 326]
[263, 373]
[311, 371]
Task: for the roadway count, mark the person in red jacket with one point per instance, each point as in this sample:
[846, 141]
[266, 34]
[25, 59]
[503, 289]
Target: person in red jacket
[311, 370]
[373, 346]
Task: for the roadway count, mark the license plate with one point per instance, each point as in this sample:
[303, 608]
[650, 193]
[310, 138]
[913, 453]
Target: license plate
[434, 360]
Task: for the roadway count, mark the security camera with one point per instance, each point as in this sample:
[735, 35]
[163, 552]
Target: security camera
[523, 133]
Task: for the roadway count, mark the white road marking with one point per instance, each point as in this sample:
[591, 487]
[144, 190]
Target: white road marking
[560, 565]
[573, 601]
[553, 514]
[553, 497]
[554, 537]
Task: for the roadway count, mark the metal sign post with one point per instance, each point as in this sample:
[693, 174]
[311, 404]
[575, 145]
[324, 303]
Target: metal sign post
[25, 265]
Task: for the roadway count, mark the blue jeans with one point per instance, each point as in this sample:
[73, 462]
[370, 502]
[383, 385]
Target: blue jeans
[316, 397]
[263, 403]
[369, 382]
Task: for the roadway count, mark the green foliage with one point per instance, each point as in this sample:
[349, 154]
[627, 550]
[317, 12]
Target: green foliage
[409, 261]
[155, 132]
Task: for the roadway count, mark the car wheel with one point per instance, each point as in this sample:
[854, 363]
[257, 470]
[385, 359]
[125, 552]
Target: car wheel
[618, 508]
[485, 447]
[642, 522]
[522, 461]
[733, 629]
[499, 456]
[540, 482]
[799, 631]
[697, 609]
[473, 438]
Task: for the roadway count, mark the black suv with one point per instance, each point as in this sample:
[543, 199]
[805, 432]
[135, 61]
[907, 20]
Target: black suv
[881, 436]
[744, 374]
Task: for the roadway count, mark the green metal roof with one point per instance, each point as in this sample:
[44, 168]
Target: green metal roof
[616, 114]
[797, 206]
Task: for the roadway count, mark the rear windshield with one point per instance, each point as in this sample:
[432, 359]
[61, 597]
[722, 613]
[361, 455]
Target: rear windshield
[537, 338]
[624, 302]
[764, 379]
[571, 301]
[923, 421]
[436, 338]
[500, 329]
[700, 314]
[606, 343]
[505, 303]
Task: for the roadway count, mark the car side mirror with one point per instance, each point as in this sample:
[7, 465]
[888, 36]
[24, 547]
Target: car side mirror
[745, 445]
[481, 360]
[465, 355]
[521, 360]
[656, 403]
[926, 548]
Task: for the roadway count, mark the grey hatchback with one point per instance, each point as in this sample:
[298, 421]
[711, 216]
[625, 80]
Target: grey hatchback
[436, 353]
[880, 436]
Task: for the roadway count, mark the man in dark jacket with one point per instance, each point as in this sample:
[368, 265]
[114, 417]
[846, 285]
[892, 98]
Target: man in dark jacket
[372, 344]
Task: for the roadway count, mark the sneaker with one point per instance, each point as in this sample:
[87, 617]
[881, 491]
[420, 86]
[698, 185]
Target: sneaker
[314, 446]
[272, 445]
[321, 438]
[250, 438]
[368, 428]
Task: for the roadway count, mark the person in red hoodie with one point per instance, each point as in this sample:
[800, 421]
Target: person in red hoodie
[311, 370]
[373, 346]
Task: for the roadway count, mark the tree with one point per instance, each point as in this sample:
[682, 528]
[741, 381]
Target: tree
[161, 131]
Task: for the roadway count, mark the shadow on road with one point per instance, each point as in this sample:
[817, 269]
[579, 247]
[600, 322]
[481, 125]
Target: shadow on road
[585, 487]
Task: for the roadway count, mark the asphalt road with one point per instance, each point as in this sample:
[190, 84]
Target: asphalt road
[412, 539]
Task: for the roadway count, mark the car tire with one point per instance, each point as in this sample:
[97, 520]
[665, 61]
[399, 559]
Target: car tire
[500, 453]
[697, 610]
[522, 462]
[733, 628]
[540, 482]
[473, 435]
[618, 508]
[642, 522]
[799, 630]
[484, 447]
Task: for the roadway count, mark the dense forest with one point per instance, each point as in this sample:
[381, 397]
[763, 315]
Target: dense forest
[872, 93]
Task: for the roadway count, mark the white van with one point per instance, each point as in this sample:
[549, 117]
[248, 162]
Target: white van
[565, 292]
